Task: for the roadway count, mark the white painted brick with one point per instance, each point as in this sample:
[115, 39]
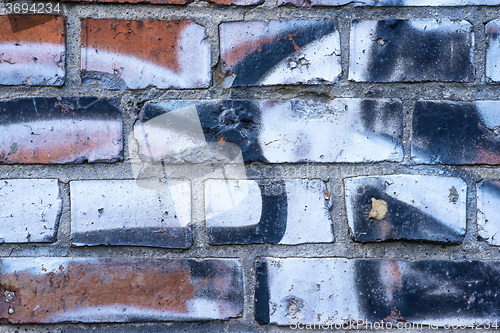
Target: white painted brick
[292, 211]
[119, 212]
[488, 217]
[29, 210]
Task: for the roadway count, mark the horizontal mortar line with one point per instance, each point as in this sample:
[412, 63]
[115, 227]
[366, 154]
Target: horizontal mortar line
[246, 254]
[416, 88]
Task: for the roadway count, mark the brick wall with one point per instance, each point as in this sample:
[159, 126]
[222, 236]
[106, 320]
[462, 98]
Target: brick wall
[249, 165]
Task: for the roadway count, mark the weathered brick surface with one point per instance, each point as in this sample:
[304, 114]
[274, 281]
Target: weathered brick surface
[162, 2]
[493, 51]
[389, 3]
[456, 132]
[121, 54]
[179, 2]
[236, 2]
[60, 130]
[273, 211]
[119, 212]
[336, 290]
[488, 218]
[360, 130]
[426, 208]
[32, 50]
[411, 50]
[49, 290]
[280, 52]
[29, 210]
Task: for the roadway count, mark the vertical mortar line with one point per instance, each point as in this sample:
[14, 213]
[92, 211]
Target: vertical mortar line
[479, 33]
[344, 24]
[198, 212]
[407, 130]
[64, 228]
[343, 242]
[73, 49]
[212, 31]
[471, 209]
[248, 269]
[130, 116]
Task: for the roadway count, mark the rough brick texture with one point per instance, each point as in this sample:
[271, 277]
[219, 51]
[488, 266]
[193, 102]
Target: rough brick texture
[51, 290]
[246, 165]
[275, 211]
[361, 130]
[488, 219]
[121, 54]
[119, 212]
[336, 290]
[402, 207]
[280, 52]
[456, 132]
[32, 50]
[60, 130]
[411, 50]
[29, 210]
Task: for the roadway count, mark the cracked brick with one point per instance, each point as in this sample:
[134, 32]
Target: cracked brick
[280, 52]
[273, 131]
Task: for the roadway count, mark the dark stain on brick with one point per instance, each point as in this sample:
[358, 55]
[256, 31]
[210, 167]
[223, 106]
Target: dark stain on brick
[169, 237]
[426, 55]
[428, 290]
[453, 133]
[380, 112]
[259, 58]
[18, 110]
[32, 28]
[23, 22]
[261, 302]
[402, 222]
[271, 227]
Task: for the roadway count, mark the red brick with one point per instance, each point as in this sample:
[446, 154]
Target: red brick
[137, 54]
[49, 290]
[32, 50]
